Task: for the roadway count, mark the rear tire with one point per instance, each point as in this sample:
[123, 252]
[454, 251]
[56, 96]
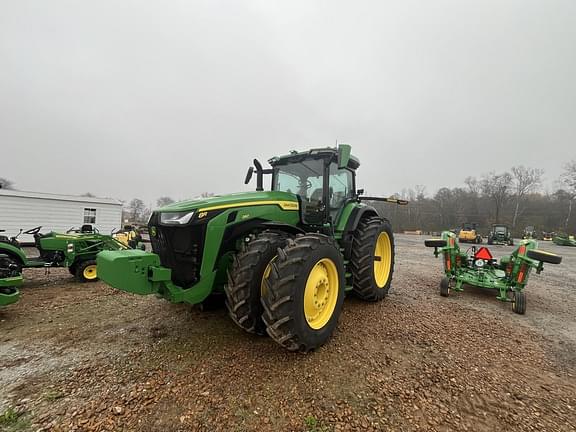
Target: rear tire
[244, 287]
[372, 260]
[445, 287]
[304, 293]
[86, 271]
[519, 302]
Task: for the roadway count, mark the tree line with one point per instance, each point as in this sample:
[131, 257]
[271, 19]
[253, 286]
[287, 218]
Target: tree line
[513, 198]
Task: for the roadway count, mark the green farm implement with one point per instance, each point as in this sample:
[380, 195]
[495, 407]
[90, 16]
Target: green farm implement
[283, 258]
[77, 251]
[508, 276]
[10, 280]
[564, 240]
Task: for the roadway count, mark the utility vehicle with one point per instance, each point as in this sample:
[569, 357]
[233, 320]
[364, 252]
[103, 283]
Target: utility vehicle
[284, 258]
[76, 251]
[477, 267]
[500, 234]
[10, 280]
[469, 233]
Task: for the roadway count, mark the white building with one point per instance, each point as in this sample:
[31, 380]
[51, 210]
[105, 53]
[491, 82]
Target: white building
[19, 209]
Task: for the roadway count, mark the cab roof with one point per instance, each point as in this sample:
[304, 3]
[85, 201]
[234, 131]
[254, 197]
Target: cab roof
[318, 153]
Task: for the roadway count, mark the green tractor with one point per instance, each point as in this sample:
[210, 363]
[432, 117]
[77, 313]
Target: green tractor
[508, 276]
[77, 251]
[10, 280]
[500, 234]
[283, 258]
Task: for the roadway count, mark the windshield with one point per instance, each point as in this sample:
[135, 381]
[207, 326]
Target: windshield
[500, 229]
[301, 178]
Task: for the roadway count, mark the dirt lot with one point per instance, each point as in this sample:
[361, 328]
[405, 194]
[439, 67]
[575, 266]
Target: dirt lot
[86, 357]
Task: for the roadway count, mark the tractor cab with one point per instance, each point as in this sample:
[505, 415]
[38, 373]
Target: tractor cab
[322, 179]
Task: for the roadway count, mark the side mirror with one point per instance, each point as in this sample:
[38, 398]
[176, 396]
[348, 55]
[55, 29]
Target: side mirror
[249, 175]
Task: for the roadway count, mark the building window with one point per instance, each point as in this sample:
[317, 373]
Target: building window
[89, 216]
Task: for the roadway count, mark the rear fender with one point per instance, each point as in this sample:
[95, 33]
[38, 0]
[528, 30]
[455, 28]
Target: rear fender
[13, 252]
[349, 222]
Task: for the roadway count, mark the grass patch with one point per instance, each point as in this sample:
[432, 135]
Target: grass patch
[13, 421]
[314, 425]
[52, 395]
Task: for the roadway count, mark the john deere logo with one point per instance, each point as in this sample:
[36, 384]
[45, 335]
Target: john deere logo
[153, 231]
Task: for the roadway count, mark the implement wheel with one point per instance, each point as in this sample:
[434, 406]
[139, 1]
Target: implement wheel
[519, 302]
[372, 261]
[304, 293]
[245, 280]
[445, 287]
[543, 256]
[86, 271]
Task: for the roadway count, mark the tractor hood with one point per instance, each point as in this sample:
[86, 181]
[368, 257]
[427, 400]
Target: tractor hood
[283, 199]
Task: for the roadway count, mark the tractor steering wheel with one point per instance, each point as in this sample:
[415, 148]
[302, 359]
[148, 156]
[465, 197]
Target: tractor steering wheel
[33, 231]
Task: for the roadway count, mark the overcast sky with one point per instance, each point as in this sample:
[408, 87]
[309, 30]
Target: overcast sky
[150, 98]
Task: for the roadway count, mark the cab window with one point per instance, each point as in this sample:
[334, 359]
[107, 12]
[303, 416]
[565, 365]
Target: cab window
[341, 184]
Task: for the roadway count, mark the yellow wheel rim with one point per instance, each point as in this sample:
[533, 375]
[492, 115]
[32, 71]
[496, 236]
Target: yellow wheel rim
[382, 259]
[321, 293]
[90, 272]
[267, 270]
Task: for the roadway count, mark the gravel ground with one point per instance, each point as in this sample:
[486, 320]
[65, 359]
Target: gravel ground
[86, 357]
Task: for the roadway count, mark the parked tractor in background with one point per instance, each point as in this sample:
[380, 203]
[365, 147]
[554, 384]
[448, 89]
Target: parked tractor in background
[283, 258]
[529, 233]
[500, 234]
[564, 240]
[469, 233]
[129, 236]
[10, 280]
[77, 251]
[508, 276]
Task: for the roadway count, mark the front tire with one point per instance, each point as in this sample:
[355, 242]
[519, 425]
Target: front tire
[372, 261]
[86, 271]
[304, 293]
[245, 286]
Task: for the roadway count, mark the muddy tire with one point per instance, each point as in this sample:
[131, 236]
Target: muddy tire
[245, 274]
[72, 269]
[445, 287]
[519, 302]
[86, 271]
[372, 260]
[304, 293]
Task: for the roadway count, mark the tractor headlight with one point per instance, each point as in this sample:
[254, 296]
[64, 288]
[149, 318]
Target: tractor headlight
[70, 247]
[480, 263]
[176, 218]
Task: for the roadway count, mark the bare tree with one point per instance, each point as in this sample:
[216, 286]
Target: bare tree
[6, 184]
[568, 177]
[525, 181]
[164, 201]
[473, 185]
[136, 209]
[497, 188]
